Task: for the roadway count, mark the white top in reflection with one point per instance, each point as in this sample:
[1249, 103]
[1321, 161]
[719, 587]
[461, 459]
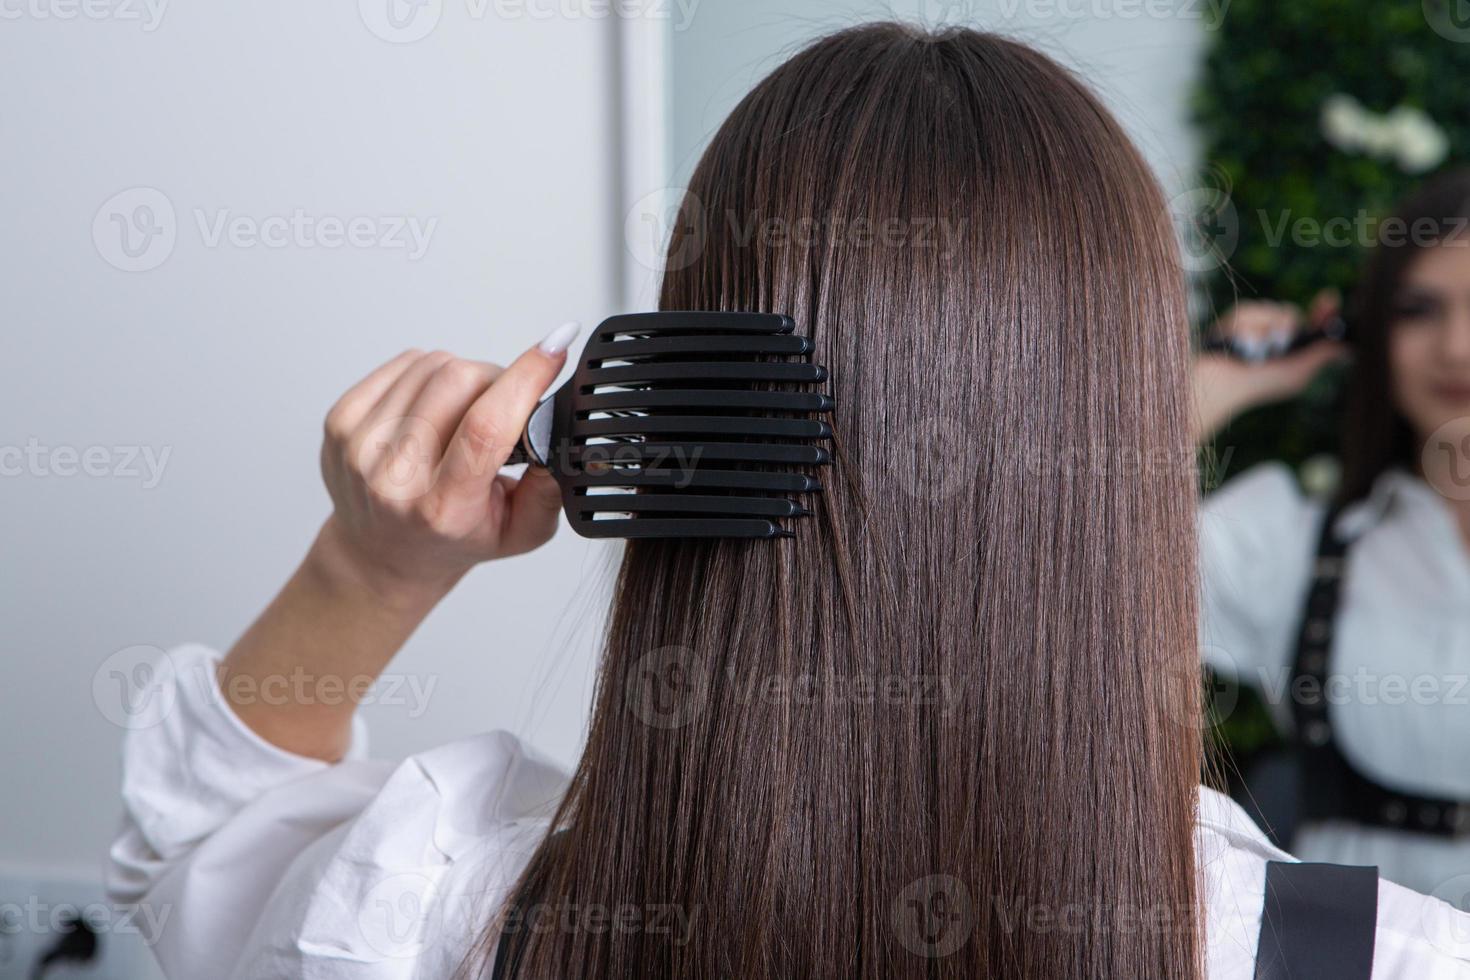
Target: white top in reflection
[1399, 694]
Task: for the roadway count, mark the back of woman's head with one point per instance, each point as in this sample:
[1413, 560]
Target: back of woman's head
[949, 728]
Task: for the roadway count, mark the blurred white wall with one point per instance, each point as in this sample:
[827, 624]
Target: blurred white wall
[494, 134]
[1141, 56]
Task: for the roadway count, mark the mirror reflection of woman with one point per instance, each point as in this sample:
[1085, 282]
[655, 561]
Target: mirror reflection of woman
[1385, 740]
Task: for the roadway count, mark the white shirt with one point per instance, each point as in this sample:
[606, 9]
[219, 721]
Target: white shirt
[1401, 648]
[253, 862]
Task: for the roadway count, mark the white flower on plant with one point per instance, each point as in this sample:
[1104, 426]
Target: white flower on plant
[1381, 138]
[1405, 135]
[1343, 121]
[1422, 145]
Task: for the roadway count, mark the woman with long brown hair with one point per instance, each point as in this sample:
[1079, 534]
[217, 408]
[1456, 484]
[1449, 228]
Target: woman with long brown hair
[1352, 614]
[950, 729]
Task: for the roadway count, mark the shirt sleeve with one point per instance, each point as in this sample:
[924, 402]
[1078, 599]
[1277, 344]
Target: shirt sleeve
[236, 852]
[1257, 538]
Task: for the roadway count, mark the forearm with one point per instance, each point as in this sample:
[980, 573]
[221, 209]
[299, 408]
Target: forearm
[1216, 400]
[297, 674]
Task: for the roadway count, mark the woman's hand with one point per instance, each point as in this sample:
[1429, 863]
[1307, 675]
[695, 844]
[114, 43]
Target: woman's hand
[1224, 386]
[411, 459]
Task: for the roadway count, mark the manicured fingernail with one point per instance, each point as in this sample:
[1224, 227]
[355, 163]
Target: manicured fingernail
[559, 339]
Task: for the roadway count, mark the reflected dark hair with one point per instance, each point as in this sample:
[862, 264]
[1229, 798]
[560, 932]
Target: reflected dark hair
[951, 729]
[1375, 435]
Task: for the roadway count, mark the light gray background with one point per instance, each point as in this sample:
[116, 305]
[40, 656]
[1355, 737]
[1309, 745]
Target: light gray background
[1141, 56]
[507, 131]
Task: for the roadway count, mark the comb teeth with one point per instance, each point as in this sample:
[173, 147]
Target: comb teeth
[689, 456]
[652, 527]
[722, 398]
[748, 372]
[690, 425]
[750, 345]
[713, 425]
[680, 503]
[771, 482]
[663, 323]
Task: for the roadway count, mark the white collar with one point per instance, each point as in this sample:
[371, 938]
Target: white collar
[1395, 490]
[1221, 814]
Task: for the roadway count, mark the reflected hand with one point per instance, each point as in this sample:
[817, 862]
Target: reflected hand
[1225, 386]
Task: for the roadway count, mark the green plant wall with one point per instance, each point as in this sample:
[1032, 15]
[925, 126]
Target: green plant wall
[1271, 72]
[1310, 111]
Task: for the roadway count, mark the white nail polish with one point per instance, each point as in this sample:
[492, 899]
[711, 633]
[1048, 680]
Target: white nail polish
[560, 339]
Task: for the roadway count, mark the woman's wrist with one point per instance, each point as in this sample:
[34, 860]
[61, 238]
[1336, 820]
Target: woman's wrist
[339, 567]
[1216, 399]
[337, 622]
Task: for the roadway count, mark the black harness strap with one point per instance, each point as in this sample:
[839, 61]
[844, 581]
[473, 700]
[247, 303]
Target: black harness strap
[1331, 787]
[1318, 922]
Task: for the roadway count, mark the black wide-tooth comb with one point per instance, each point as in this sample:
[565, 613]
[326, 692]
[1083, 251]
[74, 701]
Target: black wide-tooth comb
[684, 425]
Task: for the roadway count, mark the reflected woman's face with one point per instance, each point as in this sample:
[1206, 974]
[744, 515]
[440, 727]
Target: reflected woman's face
[1429, 344]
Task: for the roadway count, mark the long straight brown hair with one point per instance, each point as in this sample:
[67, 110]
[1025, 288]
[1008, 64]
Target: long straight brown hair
[951, 729]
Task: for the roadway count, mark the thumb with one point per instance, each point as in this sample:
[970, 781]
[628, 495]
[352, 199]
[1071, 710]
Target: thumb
[492, 426]
[533, 510]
